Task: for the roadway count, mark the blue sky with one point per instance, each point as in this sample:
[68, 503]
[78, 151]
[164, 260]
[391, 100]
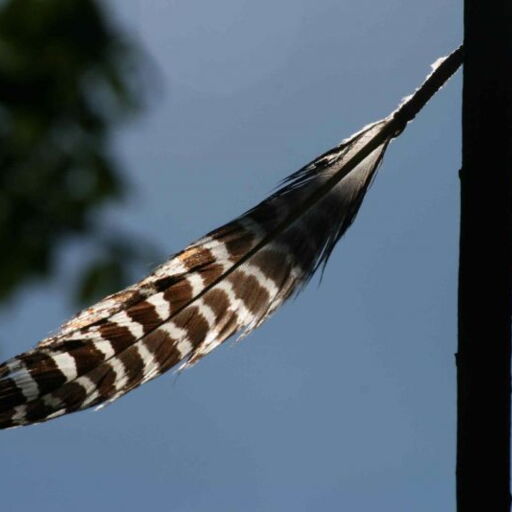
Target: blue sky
[345, 399]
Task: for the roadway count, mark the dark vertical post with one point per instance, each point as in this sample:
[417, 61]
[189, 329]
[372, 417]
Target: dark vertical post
[485, 303]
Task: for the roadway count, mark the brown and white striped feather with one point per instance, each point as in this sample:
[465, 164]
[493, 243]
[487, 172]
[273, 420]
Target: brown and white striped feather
[227, 282]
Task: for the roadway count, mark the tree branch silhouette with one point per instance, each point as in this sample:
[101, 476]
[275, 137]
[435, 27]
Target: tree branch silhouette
[485, 272]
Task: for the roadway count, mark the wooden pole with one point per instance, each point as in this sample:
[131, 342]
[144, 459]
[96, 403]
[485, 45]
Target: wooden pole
[485, 271]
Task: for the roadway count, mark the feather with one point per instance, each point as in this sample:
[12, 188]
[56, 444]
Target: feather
[227, 282]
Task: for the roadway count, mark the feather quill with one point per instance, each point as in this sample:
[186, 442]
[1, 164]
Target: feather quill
[227, 282]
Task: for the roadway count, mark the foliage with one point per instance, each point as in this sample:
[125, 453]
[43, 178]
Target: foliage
[66, 77]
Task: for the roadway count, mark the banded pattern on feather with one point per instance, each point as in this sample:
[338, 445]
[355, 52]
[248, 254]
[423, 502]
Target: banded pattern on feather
[229, 281]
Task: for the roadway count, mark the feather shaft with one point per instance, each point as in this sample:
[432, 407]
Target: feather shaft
[395, 124]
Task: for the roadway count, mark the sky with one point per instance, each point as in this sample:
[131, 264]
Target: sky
[345, 398]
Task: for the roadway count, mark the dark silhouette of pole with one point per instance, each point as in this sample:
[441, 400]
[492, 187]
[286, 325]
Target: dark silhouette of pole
[485, 271]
